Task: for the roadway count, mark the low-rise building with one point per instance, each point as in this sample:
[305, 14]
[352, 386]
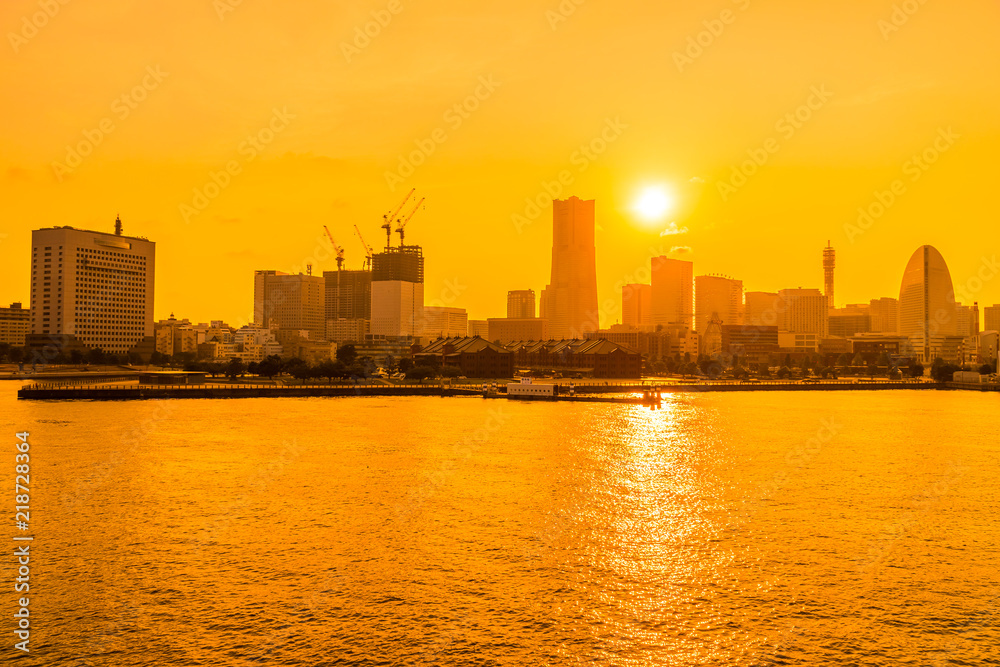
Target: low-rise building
[509, 329]
[474, 357]
[15, 324]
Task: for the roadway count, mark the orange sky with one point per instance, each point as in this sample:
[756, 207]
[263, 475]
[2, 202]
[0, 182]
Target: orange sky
[199, 80]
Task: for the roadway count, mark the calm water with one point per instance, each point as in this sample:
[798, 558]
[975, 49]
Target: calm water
[724, 529]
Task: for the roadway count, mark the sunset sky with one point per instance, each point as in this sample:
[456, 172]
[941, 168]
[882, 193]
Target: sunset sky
[333, 114]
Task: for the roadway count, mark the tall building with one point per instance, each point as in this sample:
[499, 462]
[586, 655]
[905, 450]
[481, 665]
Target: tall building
[521, 304]
[829, 264]
[479, 328]
[805, 311]
[15, 324]
[397, 291]
[92, 286]
[849, 321]
[991, 318]
[445, 322]
[927, 313]
[569, 301]
[717, 298]
[293, 302]
[348, 294]
[763, 309]
[637, 305]
[884, 314]
[672, 292]
[968, 319]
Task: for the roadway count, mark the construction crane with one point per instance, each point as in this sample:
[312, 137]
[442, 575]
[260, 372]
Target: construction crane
[387, 224]
[368, 251]
[402, 224]
[336, 248]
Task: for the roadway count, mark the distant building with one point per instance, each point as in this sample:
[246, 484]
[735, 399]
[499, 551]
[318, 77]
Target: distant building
[506, 330]
[347, 295]
[753, 344]
[445, 322]
[479, 328]
[397, 291]
[798, 342]
[718, 303]
[884, 314]
[593, 358]
[991, 318]
[637, 305]
[829, 265]
[849, 321]
[652, 344]
[521, 304]
[94, 287]
[15, 324]
[569, 301]
[967, 319]
[763, 309]
[805, 311]
[290, 301]
[672, 291]
[473, 357]
[343, 330]
[175, 336]
[928, 315]
[873, 345]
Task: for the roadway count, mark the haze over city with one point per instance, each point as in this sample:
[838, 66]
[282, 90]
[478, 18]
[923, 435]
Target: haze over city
[534, 91]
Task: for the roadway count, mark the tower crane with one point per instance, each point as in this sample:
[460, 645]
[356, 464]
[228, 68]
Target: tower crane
[387, 219]
[368, 251]
[402, 223]
[336, 248]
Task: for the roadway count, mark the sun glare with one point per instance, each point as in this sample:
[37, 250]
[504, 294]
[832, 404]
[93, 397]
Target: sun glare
[653, 203]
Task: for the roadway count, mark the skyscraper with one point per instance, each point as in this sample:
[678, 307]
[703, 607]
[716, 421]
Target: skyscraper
[92, 286]
[348, 294]
[763, 309]
[569, 301]
[398, 291]
[884, 314]
[637, 304]
[967, 319]
[991, 317]
[829, 264]
[927, 313]
[672, 291]
[521, 304]
[805, 311]
[719, 298]
[290, 302]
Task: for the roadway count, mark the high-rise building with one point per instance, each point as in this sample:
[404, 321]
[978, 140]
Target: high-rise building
[850, 321]
[763, 309]
[479, 328]
[569, 301]
[805, 311]
[293, 302]
[15, 324]
[92, 286]
[927, 313]
[672, 292]
[348, 294]
[397, 291]
[991, 318]
[968, 319]
[717, 298]
[445, 322]
[829, 264]
[884, 314]
[521, 303]
[637, 305]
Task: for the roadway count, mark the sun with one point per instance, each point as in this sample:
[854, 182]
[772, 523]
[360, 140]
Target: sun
[653, 203]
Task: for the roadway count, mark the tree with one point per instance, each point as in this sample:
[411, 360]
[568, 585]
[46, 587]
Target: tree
[76, 357]
[451, 371]
[405, 364]
[346, 354]
[419, 373]
[941, 371]
[298, 368]
[329, 369]
[389, 363]
[844, 360]
[916, 370]
[270, 366]
[158, 358]
[235, 368]
[784, 372]
[985, 369]
[96, 356]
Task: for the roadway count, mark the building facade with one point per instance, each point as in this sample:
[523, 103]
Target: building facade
[15, 324]
[804, 311]
[445, 322]
[347, 294]
[93, 286]
[290, 301]
[637, 305]
[672, 292]
[927, 311]
[397, 292]
[507, 330]
[521, 304]
[569, 301]
[884, 315]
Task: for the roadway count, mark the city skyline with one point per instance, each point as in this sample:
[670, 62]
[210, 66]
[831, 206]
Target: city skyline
[325, 140]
